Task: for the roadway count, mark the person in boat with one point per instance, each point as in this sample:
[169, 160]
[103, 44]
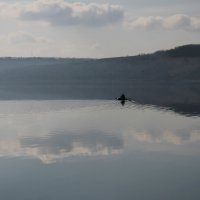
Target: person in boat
[122, 98]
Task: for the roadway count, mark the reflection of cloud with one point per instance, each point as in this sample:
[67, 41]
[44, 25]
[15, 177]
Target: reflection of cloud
[178, 21]
[176, 138]
[59, 146]
[56, 147]
[9, 147]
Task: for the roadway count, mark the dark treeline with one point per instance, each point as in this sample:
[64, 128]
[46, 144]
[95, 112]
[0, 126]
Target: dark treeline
[182, 63]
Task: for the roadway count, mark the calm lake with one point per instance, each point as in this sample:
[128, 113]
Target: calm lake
[97, 150]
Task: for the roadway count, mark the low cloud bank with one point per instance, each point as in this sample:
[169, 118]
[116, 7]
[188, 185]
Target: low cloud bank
[173, 22]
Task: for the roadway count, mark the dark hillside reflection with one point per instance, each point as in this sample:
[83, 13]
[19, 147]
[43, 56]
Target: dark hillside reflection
[181, 97]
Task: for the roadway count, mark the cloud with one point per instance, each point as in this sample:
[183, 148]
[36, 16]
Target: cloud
[21, 37]
[62, 13]
[178, 21]
[9, 10]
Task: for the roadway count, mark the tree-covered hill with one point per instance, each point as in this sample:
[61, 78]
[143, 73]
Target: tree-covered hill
[181, 63]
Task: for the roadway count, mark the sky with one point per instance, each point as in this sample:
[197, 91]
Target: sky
[96, 28]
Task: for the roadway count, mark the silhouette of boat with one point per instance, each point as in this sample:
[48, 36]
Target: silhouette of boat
[123, 98]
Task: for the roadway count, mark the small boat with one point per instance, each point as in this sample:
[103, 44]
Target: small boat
[123, 98]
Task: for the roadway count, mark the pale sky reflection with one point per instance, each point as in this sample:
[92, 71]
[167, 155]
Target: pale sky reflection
[100, 128]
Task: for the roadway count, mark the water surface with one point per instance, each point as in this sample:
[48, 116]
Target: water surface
[97, 149]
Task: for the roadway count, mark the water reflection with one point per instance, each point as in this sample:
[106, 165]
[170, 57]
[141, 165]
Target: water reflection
[97, 150]
[190, 110]
[62, 145]
[182, 97]
[92, 128]
[176, 138]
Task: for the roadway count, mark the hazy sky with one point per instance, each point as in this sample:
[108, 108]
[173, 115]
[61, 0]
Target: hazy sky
[96, 28]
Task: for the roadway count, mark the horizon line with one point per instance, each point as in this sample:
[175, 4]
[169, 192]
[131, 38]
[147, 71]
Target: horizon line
[91, 58]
